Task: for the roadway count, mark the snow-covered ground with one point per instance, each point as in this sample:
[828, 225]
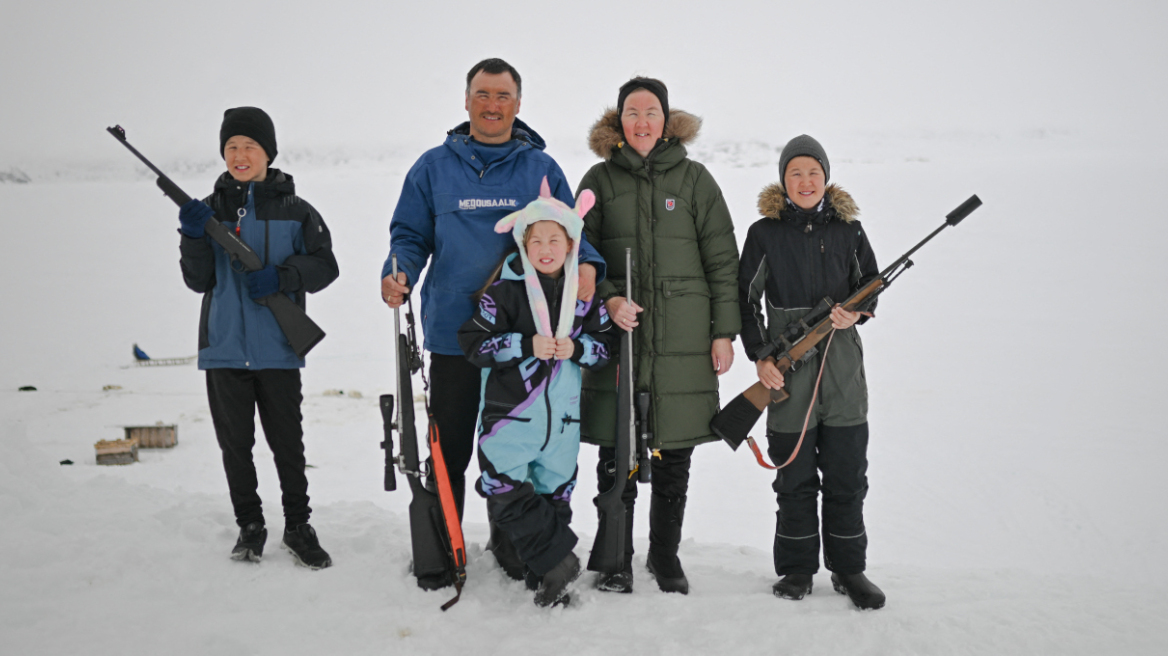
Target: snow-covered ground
[1017, 496]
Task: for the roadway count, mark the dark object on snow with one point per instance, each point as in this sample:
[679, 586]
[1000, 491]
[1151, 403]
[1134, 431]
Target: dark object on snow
[799, 343]
[251, 122]
[554, 586]
[608, 549]
[435, 529]
[302, 543]
[665, 516]
[793, 586]
[66, 462]
[863, 593]
[301, 331]
[157, 436]
[250, 545]
[27, 388]
[116, 452]
[139, 354]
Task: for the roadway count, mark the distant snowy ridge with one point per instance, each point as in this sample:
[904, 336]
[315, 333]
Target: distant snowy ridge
[863, 148]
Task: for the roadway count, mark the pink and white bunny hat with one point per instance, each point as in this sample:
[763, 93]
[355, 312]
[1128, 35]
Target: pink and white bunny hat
[548, 208]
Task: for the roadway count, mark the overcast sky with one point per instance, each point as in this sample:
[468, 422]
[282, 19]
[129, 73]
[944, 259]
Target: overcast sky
[370, 75]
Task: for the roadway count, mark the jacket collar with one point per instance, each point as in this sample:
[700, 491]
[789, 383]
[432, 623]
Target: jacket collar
[276, 183]
[458, 140]
[772, 203]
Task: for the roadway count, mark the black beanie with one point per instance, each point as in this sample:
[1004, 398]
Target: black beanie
[801, 146]
[653, 86]
[251, 122]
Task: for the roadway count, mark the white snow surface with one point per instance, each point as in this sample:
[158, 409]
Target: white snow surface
[1017, 502]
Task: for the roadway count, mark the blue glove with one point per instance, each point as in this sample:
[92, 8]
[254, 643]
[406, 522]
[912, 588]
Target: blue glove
[193, 217]
[264, 282]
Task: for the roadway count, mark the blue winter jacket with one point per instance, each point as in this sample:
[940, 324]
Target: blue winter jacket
[448, 208]
[235, 332]
[528, 403]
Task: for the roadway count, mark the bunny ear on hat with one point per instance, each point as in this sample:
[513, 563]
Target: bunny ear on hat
[544, 190]
[507, 223]
[585, 202]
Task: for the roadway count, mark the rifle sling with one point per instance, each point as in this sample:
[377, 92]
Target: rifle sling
[806, 420]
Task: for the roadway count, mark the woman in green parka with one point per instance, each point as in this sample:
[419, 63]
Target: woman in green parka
[684, 314]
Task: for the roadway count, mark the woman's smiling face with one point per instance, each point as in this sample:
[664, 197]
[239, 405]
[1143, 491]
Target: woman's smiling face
[643, 120]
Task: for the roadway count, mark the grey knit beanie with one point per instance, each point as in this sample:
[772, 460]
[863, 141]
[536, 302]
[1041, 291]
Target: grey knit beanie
[803, 145]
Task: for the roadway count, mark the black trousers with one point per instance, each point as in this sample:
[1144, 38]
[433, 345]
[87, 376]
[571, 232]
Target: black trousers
[455, 393]
[670, 481]
[234, 395]
[841, 454]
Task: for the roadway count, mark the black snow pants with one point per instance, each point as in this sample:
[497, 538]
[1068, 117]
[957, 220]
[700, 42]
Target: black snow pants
[455, 393]
[234, 395]
[669, 485]
[841, 454]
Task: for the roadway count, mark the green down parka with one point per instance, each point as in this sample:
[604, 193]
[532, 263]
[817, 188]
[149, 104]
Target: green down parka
[670, 211]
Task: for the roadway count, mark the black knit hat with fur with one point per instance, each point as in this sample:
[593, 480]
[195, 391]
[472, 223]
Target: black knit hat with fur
[251, 122]
[652, 85]
[803, 146]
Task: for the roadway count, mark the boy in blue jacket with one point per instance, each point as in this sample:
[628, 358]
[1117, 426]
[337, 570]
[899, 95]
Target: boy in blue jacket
[531, 335]
[248, 361]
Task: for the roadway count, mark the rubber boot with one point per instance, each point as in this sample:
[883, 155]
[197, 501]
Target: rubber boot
[863, 593]
[665, 517]
[793, 586]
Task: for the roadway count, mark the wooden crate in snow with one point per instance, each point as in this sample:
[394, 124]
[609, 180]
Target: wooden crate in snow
[153, 437]
[117, 452]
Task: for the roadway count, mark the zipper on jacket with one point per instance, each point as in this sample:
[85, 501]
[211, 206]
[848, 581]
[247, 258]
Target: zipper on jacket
[547, 399]
[568, 419]
[822, 250]
[482, 172]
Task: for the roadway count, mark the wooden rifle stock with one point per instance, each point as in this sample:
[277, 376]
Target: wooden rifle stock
[734, 422]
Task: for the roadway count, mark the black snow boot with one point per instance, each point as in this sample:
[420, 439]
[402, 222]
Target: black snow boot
[554, 587]
[302, 543]
[665, 516]
[505, 554]
[250, 545]
[793, 586]
[863, 593]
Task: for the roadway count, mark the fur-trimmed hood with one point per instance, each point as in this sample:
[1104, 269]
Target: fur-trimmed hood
[772, 200]
[607, 134]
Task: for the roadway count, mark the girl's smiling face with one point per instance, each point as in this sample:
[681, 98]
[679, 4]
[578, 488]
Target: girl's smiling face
[547, 247]
[804, 181]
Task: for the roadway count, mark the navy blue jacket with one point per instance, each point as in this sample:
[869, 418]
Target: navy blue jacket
[448, 208]
[235, 332]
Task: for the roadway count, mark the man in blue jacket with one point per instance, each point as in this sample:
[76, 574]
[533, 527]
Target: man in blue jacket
[454, 194]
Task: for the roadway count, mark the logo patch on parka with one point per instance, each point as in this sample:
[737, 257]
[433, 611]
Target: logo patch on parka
[670, 204]
[476, 203]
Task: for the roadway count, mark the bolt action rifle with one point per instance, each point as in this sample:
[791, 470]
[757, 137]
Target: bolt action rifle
[301, 332]
[435, 530]
[798, 343]
[608, 550]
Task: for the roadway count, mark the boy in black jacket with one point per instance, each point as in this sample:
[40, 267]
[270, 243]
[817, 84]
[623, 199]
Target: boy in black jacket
[248, 361]
[810, 246]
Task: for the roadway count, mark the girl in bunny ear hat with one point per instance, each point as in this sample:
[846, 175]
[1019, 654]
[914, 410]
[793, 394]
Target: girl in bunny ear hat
[531, 335]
